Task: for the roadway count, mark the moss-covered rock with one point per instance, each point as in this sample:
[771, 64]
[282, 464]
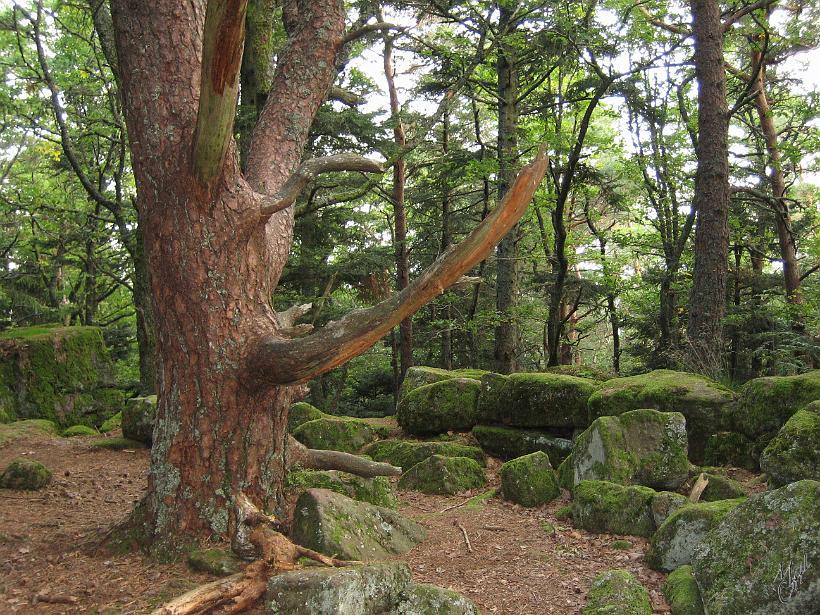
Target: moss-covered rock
[703, 402]
[79, 430]
[566, 479]
[407, 453]
[604, 507]
[138, 418]
[664, 504]
[682, 593]
[424, 599]
[302, 412]
[794, 453]
[529, 480]
[118, 444]
[377, 491]
[509, 442]
[443, 475]
[27, 474]
[420, 375]
[730, 448]
[764, 555]
[54, 373]
[112, 423]
[765, 404]
[617, 592]
[374, 589]
[336, 434]
[581, 371]
[536, 400]
[677, 539]
[447, 405]
[643, 447]
[27, 428]
[722, 488]
[218, 562]
[335, 524]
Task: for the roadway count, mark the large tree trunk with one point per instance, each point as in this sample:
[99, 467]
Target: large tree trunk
[446, 240]
[707, 302]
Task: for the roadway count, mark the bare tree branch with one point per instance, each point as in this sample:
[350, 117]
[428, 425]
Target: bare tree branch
[731, 19]
[367, 29]
[281, 361]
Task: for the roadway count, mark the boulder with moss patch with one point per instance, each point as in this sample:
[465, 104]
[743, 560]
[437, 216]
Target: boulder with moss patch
[138, 418]
[730, 448]
[25, 474]
[677, 539]
[443, 475]
[794, 453]
[336, 434]
[376, 490]
[589, 372]
[682, 593]
[604, 507]
[218, 562]
[510, 442]
[30, 428]
[529, 480]
[424, 599]
[420, 375]
[722, 488]
[764, 555]
[407, 453]
[447, 405]
[617, 592]
[703, 402]
[63, 374]
[664, 504]
[112, 423]
[565, 474]
[79, 430]
[643, 447]
[302, 412]
[335, 524]
[539, 400]
[765, 404]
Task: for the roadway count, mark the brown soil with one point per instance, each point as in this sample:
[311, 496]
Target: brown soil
[523, 561]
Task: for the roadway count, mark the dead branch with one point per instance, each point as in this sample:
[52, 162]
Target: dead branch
[464, 532]
[283, 361]
[346, 97]
[315, 459]
[697, 489]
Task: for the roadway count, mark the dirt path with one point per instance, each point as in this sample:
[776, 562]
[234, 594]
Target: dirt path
[524, 561]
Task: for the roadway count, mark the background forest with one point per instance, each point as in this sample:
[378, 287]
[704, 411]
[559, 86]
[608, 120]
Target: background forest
[455, 97]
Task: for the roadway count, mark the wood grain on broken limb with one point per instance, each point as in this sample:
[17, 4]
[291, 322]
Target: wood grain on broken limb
[315, 459]
[285, 361]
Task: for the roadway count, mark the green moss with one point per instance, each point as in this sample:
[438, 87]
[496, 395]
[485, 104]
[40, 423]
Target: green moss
[765, 404]
[218, 562]
[529, 480]
[722, 488]
[423, 599]
[617, 592]
[138, 418]
[563, 513]
[302, 412]
[27, 428]
[118, 444]
[581, 371]
[794, 453]
[620, 545]
[509, 443]
[664, 504]
[376, 490]
[27, 474]
[682, 593]
[407, 453]
[79, 430]
[448, 405]
[420, 375]
[443, 475]
[477, 502]
[730, 448]
[112, 423]
[337, 434]
[565, 474]
[604, 507]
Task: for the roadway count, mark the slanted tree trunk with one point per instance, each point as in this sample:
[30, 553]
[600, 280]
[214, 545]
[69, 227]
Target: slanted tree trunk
[707, 301]
[446, 240]
[216, 241]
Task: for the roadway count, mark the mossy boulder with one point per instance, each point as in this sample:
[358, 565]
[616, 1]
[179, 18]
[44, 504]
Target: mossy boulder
[443, 475]
[25, 474]
[218, 562]
[765, 404]
[730, 448]
[336, 434]
[302, 412]
[589, 372]
[764, 555]
[335, 524]
[664, 503]
[424, 599]
[79, 430]
[447, 405]
[604, 507]
[112, 423]
[407, 453]
[63, 374]
[643, 447]
[794, 453]
[703, 402]
[373, 589]
[529, 480]
[682, 593]
[617, 592]
[419, 375]
[677, 539]
[539, 400]
[722, 488]
[565, 475]
[510, 442]
[27, 428]
[377, 491]
[138, 418]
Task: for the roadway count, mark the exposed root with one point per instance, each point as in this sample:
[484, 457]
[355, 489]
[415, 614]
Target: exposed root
[317, 459]
[697, 489]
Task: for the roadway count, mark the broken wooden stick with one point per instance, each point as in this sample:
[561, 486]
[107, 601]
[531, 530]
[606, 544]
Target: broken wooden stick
[698, 487]
[464, 532]
[317, 459]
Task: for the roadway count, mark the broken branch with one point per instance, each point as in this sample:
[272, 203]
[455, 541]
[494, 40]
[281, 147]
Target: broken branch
[316, 459]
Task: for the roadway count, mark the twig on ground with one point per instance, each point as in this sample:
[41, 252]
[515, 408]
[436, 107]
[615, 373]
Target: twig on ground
[444, 510]
[464, 531]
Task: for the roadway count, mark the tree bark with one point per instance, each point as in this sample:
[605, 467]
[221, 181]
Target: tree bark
[446, 240]
[707, 301]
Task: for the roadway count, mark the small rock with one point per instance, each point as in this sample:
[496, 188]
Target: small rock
[529, 480]
[617, 592]
[26, 474]
[443, 475]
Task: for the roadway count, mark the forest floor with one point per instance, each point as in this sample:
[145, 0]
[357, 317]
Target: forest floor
[519, 561]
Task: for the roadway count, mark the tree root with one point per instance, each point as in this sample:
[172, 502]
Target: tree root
[317, 459]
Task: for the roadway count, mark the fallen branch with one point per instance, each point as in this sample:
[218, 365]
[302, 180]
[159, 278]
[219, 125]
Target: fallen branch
[698, 487]
[464, 532]
[460, 504]
[315, 459]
